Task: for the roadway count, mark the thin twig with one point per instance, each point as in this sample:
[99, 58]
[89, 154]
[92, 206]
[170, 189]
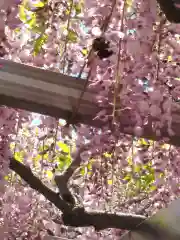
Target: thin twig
[118, 76]
[103, 29]
[66, 41]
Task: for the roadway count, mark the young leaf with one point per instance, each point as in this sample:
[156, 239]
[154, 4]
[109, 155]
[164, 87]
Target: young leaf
[39, 4]
[40, 41]
[22, 14]
[32, 21]
[72, 36]
[19, 156]
[64, 147]
[85, 51]
[77, 7]
[49, 174]
[110, 182]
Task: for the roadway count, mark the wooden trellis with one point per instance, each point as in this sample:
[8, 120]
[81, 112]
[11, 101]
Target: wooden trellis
[55, 94]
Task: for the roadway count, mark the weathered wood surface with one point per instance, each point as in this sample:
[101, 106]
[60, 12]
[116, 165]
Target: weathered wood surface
[45, 92]
[55, 94]
[164, 225]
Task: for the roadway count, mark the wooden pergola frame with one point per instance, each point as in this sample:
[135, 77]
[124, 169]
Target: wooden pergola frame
[55, 94]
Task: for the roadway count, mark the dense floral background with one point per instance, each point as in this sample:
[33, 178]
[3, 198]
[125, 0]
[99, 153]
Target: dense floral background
[129, 53]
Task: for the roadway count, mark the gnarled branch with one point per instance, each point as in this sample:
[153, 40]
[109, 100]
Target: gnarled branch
[76, 217]
[62, 180]
[35, 183]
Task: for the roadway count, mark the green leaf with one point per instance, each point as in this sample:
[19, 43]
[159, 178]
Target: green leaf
[107, 155]
[110, 181]
[39, 42]
[7, 177]
[129, 160]
[89, 173]
[65, 148]
[39, 4]
[82, 171]
[84, 51]
[17, 30]
[137, 168]
[22, 14]
[49, 174]
[19, 156]
[89, 166]
[72, 36]
[63, 162]
[127, 178]
[32, 22]
[37, 158]
[152, 188]
[77, 7]
[138, 184]
[143, 142]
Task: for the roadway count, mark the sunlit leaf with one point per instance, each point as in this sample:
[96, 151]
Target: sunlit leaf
[39, 4]
[67, 12]
[143, 141]
[110, 181]
[39, 42]
[31, 22]
[6, 178]
[127, 178]
[17, 30]
[19, 156]
[63, 162]
[64, 147]
[85, 51]
[169, 58]
[49, 174]
[77, 7]
[37, 131]
[129, 160]
[82, 171]
[129, 2]
[89, 166]
[107, 155]
[152, 188]
[72, 36]
[37, 158]
[22, 13]
[137, 168]
[12, 146]
[138, 184]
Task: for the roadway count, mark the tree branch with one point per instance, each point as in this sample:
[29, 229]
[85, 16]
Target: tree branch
[101, 220]
[76, 217]
[62, 180]
[35, 183]
[170, 10]
[75, 163]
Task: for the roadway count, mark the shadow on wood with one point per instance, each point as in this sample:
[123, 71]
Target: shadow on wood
[164, 225]
[55, 94]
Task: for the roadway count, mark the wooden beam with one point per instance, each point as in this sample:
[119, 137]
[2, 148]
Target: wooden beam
[163, 225]
[45, 92]
[55, 94]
